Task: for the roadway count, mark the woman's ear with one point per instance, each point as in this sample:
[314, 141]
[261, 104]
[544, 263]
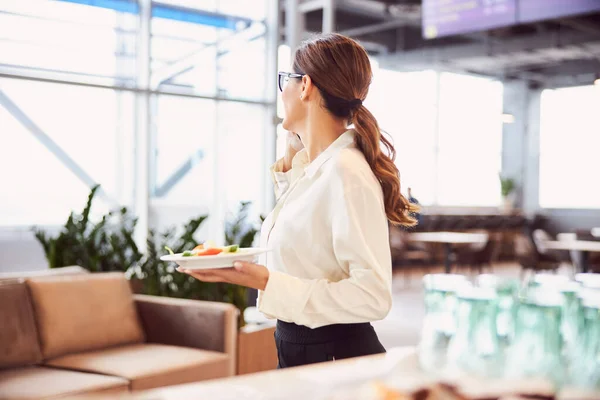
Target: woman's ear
[307, 87]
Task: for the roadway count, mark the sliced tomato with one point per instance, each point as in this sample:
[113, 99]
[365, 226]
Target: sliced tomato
[199, 247]
[209, 252]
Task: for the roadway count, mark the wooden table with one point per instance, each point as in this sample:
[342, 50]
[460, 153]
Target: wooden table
[307, 382]
[584, 246]
[449, 239]
[339, 380]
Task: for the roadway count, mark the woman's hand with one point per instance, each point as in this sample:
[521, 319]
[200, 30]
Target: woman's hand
[243, 273]
[293, 145]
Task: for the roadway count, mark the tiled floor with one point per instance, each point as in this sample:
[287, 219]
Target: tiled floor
[402, 326]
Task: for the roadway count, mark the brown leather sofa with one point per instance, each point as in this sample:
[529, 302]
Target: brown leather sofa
[79, 333]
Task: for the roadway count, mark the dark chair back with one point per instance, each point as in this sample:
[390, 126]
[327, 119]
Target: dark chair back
[525, 251]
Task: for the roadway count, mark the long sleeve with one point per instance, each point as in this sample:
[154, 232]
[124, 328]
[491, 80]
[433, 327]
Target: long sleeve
[361, 247]
[281, 180]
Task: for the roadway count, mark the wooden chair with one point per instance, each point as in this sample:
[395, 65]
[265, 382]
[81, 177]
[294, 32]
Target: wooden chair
[405, 253]
[476, 256]
[593, 259]
[531, 259]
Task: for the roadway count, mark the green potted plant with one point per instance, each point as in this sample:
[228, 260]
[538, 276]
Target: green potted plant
[507, 190]
[104, 246]
[108, 245]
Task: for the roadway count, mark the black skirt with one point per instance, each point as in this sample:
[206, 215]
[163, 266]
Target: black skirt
[299, 345]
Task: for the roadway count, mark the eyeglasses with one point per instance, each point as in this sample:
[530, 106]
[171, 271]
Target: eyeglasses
[284, 77]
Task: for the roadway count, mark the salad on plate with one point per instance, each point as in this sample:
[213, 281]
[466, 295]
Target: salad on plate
[208, 255]
[207, 248]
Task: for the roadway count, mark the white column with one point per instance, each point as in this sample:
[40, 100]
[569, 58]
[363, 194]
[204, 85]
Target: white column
[531, 153]
[294, 24]
[218, 213]
[270, 140]
[516, 101]
[142, 127]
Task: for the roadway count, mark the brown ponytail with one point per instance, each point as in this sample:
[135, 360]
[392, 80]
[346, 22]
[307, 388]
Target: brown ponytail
[339, 67]
[369, 140]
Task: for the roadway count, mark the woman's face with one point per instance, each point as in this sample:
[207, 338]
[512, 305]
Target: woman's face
[295, 111]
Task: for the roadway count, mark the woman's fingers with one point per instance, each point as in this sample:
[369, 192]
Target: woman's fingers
[243, 273]
[206, 275]
[293, 141]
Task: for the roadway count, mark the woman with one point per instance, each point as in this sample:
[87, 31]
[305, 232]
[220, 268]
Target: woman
[329, 271]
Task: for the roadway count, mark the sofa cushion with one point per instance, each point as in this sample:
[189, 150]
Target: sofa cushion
[18, 335]
[84, 312]
[148, 366]
[43, 382]
[71, 270]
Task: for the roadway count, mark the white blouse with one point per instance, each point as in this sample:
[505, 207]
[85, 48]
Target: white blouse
[330, 260]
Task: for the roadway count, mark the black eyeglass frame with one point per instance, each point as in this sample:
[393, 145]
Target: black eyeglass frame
[281, 75]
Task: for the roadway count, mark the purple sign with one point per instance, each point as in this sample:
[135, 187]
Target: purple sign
[451, 17]
[535, 10]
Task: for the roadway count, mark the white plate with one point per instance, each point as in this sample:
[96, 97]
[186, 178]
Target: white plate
[222, 260]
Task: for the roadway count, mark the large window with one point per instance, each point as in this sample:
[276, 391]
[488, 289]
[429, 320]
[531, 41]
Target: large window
[569, 148]
[67, 41]
[447, 133]
[56, 139]
[469, 141]
[73, 117]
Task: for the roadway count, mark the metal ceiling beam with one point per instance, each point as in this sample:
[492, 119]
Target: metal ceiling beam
[439, 56]
[46, 141]
[570, 80]
[374, 28]
[308, 6]
[568, 60]
[411, 14]
[303, 7]
[539, 58]
[392, 17]
[570, 68]
[582, 26]
[368, 45]
[566, 73]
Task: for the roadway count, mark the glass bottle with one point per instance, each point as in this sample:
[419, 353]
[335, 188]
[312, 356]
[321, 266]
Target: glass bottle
[474, 348]
[537, 348]
[439, 322]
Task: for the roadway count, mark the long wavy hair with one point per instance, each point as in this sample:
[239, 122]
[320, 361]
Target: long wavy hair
[339, 67]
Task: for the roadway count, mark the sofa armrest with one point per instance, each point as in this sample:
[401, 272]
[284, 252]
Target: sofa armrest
[190, 323]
